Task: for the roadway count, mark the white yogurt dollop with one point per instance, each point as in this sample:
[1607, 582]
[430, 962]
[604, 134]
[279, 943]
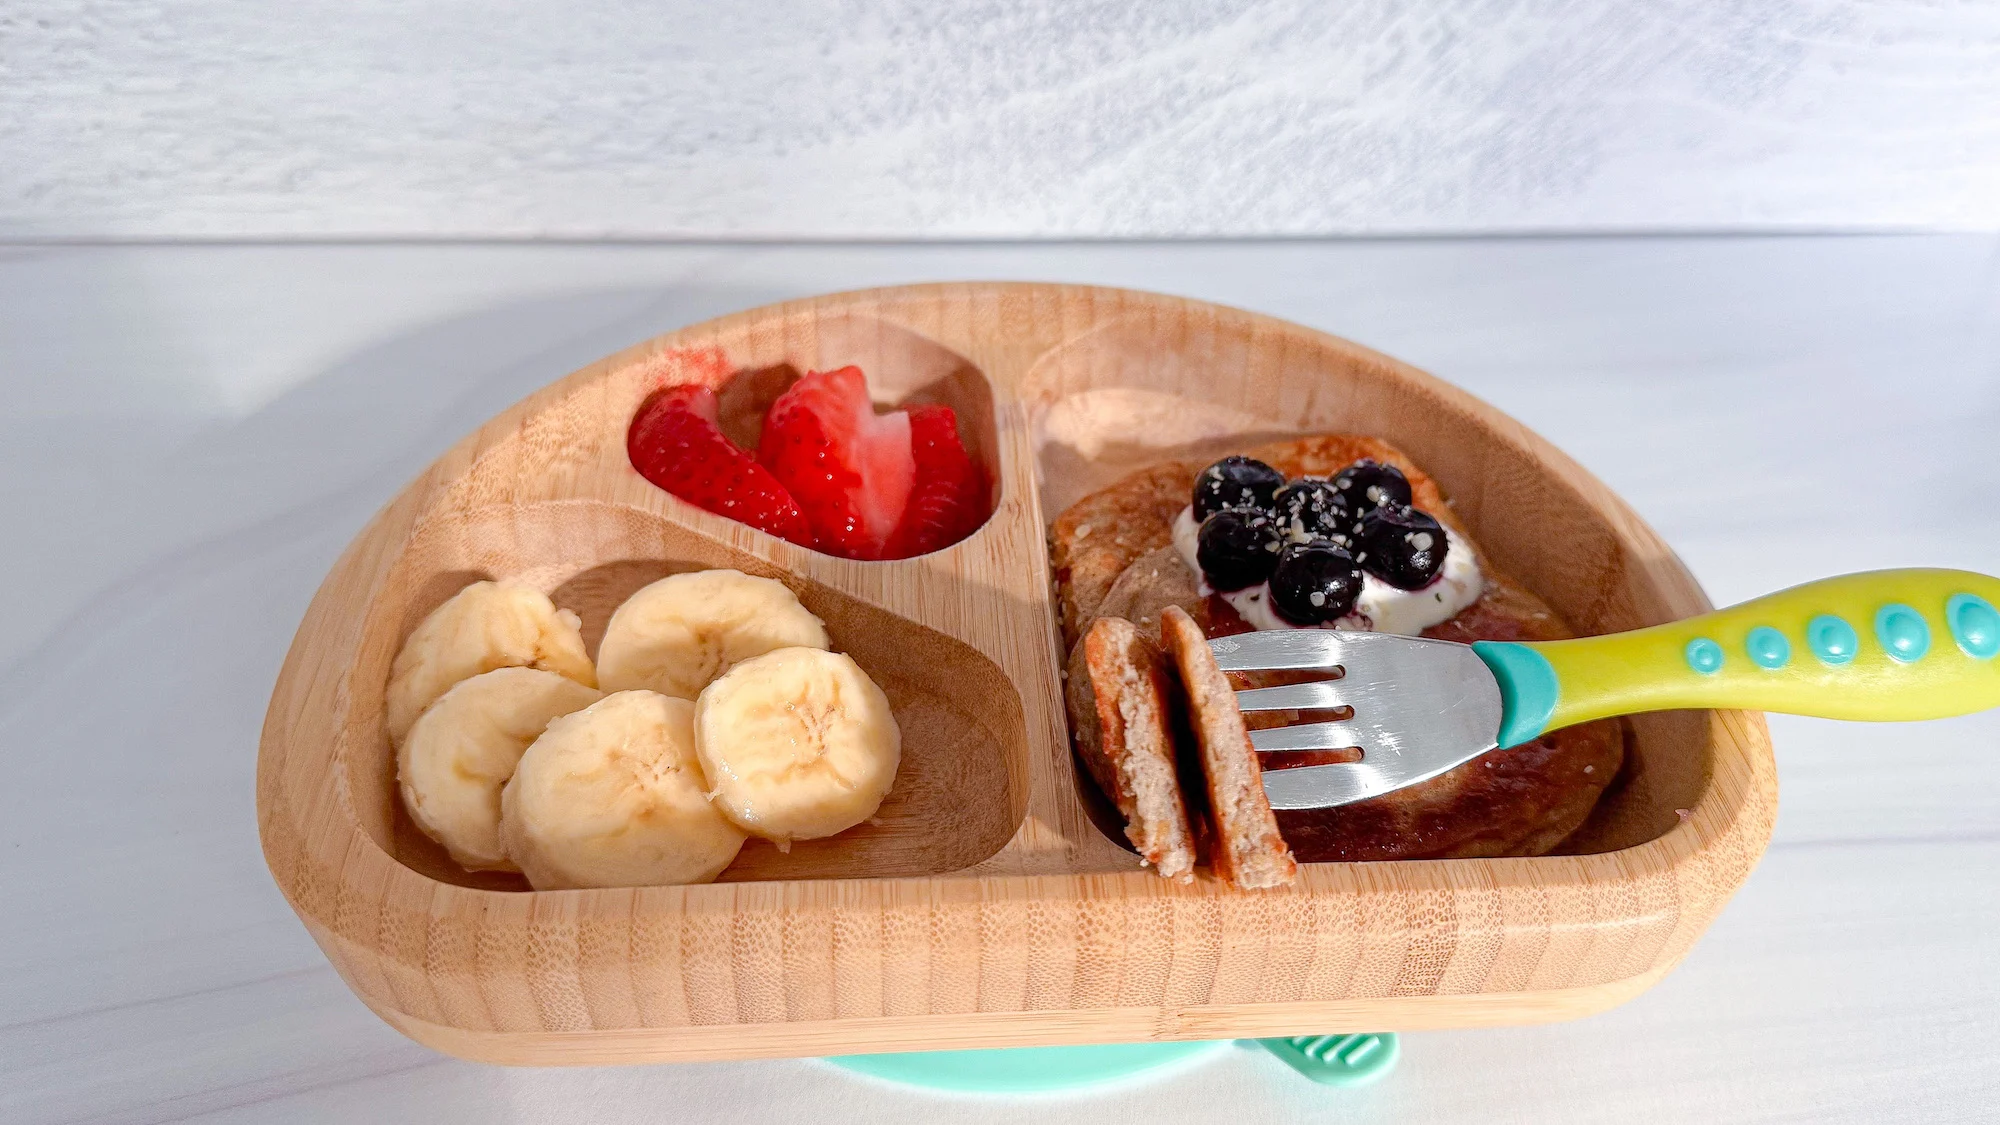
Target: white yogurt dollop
[1381, 608]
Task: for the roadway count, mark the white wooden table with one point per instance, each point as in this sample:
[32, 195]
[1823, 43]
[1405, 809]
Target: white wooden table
[189, 434]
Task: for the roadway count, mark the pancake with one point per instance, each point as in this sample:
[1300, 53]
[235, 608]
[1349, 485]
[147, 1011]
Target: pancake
[1117, 677]
[1247, 849]
[1096, 539]
[1112, 553]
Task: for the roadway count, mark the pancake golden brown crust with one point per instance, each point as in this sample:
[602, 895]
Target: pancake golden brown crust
[1108, 557]
[1246, 848]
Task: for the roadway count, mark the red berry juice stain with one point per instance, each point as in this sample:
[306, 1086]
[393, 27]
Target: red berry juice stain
[674, 367]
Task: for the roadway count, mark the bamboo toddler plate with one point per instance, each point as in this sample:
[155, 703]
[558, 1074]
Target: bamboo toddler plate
[984, 907]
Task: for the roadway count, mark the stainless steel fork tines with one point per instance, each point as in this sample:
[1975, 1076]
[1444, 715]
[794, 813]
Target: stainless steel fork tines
[1420, 707]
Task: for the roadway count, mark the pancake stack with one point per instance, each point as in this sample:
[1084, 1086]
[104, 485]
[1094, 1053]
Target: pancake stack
[1156, 727]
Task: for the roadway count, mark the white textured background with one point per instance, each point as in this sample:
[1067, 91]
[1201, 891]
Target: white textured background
[901, 118]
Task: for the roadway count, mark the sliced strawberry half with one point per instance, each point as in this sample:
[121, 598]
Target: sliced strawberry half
[675, 443]
[950, 497]
[850, 468]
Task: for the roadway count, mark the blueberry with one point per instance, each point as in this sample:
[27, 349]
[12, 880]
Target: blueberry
[1367, 485]
[1308, 509]
[1402, 546]
[1314, 583]
[1238, 548]
[1235, 482]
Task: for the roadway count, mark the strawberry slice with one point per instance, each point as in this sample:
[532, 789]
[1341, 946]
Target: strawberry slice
[849, 467]
[949, 500]
[675, 443]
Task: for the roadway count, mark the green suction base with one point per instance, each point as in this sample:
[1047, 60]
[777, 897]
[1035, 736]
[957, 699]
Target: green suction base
[1023, 1070]
[1333, 1060]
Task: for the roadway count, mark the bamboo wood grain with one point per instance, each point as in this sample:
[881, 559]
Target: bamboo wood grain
[985, 908]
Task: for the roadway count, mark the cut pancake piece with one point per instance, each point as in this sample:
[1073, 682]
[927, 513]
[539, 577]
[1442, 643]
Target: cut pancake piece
[1246, 849]
[1121, 696]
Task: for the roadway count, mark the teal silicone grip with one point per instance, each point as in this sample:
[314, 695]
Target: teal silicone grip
[1529, 689]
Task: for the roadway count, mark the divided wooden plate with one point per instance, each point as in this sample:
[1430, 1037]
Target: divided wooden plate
[985, 908]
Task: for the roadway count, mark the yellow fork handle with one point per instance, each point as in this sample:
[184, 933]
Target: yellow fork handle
[1884, 645]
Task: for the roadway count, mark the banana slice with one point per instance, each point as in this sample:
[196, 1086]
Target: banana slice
[613, 796]
[797, 744]
[485, 626]
[463, 749]
[680, 633]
